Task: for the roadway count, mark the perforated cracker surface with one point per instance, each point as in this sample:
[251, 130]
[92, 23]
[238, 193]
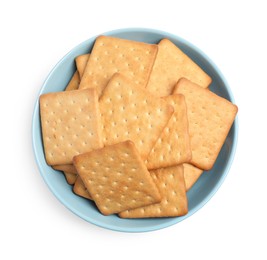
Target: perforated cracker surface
[111, 55]
[171, 64]
[70, 124]
[173, 146]
[116, 178]
[210, 118]
[131, 113]
[170, 182]
[80, 189]
[191, 175]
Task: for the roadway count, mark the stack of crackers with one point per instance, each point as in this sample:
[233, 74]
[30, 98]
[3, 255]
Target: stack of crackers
[135, 128]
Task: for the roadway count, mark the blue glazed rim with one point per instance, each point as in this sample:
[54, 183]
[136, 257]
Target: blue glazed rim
[173, 220]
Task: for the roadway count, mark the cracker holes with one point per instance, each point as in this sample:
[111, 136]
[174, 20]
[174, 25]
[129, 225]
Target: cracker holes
[148, 197]
[119, 174]
[164, 184]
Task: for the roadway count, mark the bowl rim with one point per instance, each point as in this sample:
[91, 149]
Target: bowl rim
[174, 220]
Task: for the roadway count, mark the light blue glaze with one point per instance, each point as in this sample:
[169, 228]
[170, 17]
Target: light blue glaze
[201, 192]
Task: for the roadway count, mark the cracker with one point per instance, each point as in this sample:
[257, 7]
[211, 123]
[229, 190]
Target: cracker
[171, 64]
[131, 113]
[111, 55]
[70, 177]
[117, 178]
[81, 62]
[70, 124]
[80, 189]
[210, 118]
[170, 182]
[65, 168]
[191, 175]
[74, 82]
[173, 146]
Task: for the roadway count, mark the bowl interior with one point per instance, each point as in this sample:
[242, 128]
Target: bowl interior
[200, 193]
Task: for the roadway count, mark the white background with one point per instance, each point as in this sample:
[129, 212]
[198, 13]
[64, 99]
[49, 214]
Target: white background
[34, 35]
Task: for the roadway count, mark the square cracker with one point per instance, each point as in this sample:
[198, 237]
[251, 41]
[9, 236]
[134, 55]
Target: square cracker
[70, 124]
[170, 182]
[210, 118]
[111, 55]
[171, 64]
[173, 146]
[131, 113]
[117, 178]
[191, 175]
[81, 62]
[80, 189]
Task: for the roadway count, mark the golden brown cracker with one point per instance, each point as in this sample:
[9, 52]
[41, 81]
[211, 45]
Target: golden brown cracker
[116, 178]
[210, 118]
[80, 189]
[81, 62]
[171, 64]
[170, 182]
[111, 55]
[131, 113]
[173, 146]
[70, 124]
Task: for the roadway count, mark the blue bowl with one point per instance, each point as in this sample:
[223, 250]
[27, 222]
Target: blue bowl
[199, 194]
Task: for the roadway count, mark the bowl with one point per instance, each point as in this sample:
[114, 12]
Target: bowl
[198, 195]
